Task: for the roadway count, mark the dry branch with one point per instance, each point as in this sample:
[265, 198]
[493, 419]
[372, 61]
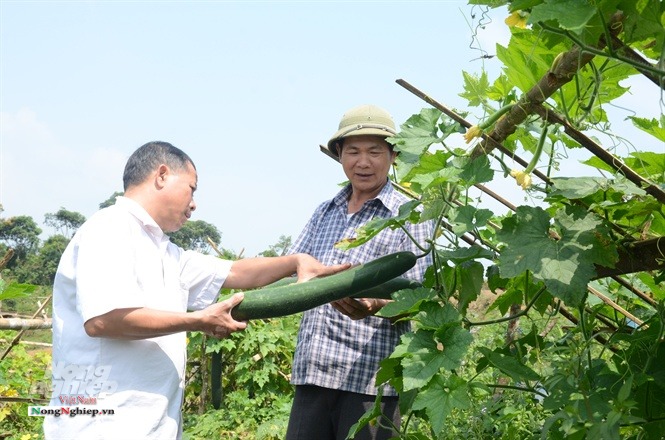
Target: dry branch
[24, 324]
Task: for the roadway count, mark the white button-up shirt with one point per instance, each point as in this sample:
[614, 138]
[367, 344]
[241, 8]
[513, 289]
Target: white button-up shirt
[120, 258]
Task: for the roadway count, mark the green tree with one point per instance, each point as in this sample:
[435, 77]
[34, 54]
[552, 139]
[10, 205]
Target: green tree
[20, 233]
[64, 221]
[111, 200]
[195, 234]
[278, 249]
[40, 268]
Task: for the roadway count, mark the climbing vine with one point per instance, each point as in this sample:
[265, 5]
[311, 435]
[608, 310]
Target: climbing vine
[578, 272]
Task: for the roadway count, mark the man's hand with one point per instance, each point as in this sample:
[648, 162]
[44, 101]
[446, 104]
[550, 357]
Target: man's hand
[309, 267]
[359, 308]
[216, 319]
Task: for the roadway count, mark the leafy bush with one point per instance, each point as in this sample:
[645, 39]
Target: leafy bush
[255, 374]
[23, 374]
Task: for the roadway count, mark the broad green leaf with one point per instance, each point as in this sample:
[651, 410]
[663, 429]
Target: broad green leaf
[648, 164]
[406, 301]
[433, 316]
[517, 5]
[390, 371]
[565, 264]
[428, 354]
[525, 59]
[512, 295]
[415, 137]
[440, 397]
[462, 254]
[470, 283]
[509, 365]
[475, 88]
[501, 89]
[643, 24]
[571, 15]
[494, 280]
[474, 171]
[578, 187]
[433, 169]
[467, 218]
[657, 290]
[16, 290]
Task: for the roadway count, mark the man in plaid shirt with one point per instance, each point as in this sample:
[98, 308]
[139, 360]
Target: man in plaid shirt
[341, 344]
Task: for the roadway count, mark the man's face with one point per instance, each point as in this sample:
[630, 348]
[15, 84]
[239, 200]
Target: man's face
[179, 202]
[366, 161]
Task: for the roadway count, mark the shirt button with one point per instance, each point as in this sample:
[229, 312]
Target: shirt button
[320, 312]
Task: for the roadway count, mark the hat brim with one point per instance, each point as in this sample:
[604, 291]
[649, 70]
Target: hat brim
[358, 131]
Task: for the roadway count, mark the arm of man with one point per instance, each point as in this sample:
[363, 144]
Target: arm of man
[257, 272]
[141, 323]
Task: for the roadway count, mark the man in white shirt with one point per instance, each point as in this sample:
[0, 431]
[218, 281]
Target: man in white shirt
[124, 296]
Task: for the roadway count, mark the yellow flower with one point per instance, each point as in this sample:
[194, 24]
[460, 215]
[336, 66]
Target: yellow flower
[517, 19]
[472, 133]
[523, 179]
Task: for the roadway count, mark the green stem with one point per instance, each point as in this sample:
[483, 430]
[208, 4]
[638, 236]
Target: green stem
[511, 317]
[513, 387]
[592, 50]
[539, 149]
[487, 123]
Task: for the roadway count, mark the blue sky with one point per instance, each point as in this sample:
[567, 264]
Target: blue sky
[248, 89]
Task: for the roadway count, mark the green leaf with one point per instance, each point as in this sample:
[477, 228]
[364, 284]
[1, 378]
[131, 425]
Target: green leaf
[428, 354]
[578, 187]
[648, 164]
[371, 414]
[471, 282]
[474, 171]
[17, 290]
[509, 365]
[656, 289]
[467, 218]
[407, 212]
[440, 397]
[501, 89]
[475, 88]
[415, 137]
[526, 60]
[406, 301]
[433, 169]
[652, 126]
[565, 264]
[462, 254]
[433, 316]
[571, 15]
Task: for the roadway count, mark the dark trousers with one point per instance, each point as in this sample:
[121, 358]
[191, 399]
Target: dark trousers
[325, 414]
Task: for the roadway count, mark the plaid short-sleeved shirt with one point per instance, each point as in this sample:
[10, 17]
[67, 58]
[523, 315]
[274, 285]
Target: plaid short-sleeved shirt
[334, 351]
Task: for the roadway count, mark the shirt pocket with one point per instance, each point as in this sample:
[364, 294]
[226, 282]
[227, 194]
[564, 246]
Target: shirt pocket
[387, 242]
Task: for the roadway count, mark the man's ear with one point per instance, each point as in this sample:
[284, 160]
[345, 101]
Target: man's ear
[161, 174]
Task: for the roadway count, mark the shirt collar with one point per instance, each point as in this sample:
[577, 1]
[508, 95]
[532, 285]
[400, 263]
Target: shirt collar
[387, 197]
[138, 211]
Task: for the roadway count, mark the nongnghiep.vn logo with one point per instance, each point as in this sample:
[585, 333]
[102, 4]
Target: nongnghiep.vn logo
[69, 411]
[74, 380]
